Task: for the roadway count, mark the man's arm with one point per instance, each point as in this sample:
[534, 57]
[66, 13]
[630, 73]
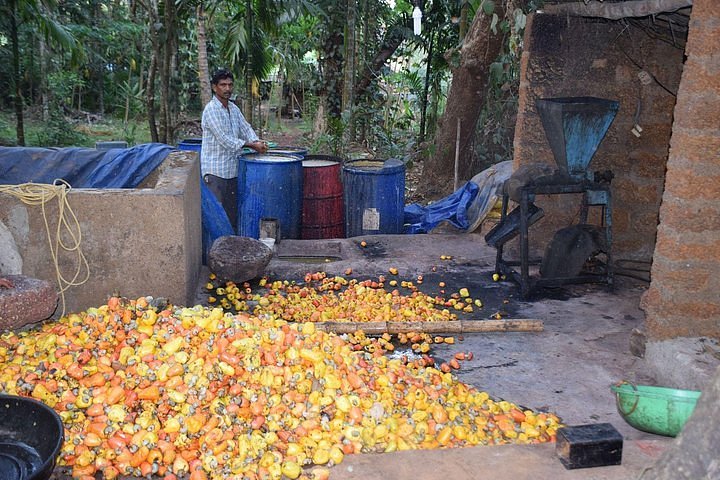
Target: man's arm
[5, 283]
[247, 132]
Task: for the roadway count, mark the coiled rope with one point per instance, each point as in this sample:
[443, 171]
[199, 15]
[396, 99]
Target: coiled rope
[68, 228]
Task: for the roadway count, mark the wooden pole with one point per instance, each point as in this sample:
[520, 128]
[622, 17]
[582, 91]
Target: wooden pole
[504, 325]
[455, 327]
[457, 155]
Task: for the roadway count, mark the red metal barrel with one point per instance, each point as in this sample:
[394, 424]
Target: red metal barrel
[323, 210]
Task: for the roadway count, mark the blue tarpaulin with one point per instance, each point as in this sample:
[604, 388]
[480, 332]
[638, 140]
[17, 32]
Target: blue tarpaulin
[81, 167]
[466, 208]
[453, 209]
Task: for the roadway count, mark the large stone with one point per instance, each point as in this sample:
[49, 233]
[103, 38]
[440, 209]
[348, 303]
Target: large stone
[30, 300]
[238, 259]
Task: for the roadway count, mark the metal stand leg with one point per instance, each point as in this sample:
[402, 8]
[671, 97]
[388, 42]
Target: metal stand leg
[524, 248]
[607, 210]
[503, 215]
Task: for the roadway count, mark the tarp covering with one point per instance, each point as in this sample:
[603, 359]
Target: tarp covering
[215, 221]
[453, 208]
[465, 208]
[81, 167]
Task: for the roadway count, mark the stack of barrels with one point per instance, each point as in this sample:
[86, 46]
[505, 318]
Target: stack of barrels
[317, 196]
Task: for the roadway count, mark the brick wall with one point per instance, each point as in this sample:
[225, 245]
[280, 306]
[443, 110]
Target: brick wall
[572, 56]
[684, 296]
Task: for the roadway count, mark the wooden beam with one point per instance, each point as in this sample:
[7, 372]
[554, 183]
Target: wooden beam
[455, 327]
[618, 10]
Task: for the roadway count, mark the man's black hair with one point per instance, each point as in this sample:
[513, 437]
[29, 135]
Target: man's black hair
[221, 74]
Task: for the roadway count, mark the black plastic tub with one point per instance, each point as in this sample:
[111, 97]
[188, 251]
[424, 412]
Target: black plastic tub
[31, 435]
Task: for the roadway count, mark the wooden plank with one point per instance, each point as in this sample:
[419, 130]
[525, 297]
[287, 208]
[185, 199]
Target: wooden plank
[370, 328]
[454, 327]
[503, 325]
[424, 327]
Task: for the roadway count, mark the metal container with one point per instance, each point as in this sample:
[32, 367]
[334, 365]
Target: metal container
[575, 126]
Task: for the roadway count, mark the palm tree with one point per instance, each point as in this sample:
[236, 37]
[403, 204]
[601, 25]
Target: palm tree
[247, 41]
[37, 16]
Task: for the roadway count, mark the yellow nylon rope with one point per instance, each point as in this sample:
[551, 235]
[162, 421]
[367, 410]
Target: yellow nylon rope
[38, 194]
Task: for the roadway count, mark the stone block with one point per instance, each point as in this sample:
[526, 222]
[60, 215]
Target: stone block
[238, 259]
[28, 301]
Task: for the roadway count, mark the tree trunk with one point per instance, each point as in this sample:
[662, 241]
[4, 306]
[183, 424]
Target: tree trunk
[166, 72]
[426, 89]
[203, 71]
[333, 79]
[150, 97]
[250, 107]
[390, 44]
[349, 69]
[44, 89]
[18, 99]
[154, 24]
[463, 21]
[465, 102]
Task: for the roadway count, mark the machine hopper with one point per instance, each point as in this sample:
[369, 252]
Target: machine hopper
[574, 127]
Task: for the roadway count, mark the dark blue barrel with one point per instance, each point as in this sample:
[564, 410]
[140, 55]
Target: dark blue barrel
[374, 196]
[270, 186]
[194, 144]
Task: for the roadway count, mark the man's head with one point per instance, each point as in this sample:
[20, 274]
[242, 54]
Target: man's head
[221, 74]
[222, 85]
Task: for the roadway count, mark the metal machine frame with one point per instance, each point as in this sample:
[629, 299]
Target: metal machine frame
[593, 194]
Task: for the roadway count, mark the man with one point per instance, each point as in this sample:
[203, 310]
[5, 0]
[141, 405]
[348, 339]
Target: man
[225, 134]
[5, 283]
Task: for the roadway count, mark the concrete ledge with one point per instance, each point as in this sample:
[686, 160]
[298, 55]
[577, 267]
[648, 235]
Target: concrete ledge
[511, 462]
[142, 241]
[682, 362]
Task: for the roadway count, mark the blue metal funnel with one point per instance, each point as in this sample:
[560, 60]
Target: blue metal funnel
[575, 126]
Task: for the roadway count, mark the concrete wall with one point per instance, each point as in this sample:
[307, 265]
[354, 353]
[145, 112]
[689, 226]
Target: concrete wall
[574, 56]
[144, 241]
[684, 296]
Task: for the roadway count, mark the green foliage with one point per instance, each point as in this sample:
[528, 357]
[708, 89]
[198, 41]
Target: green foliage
[62, 85]
[131, 96]
[7, 132]
[59, 132]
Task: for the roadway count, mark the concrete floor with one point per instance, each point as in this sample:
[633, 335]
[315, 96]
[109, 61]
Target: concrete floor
[568, 368]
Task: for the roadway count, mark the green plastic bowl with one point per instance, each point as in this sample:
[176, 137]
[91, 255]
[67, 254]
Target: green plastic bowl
[659, 410]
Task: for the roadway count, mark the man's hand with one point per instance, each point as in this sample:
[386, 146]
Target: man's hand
[5, 283]
[259, 146]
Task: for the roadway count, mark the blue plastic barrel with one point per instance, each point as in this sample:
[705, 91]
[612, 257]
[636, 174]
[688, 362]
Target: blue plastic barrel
[194, 144]
[215, 223]
[374, 197]
[270, 186]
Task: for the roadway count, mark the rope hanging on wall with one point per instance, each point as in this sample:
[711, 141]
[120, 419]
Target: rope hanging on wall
[68, 228]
